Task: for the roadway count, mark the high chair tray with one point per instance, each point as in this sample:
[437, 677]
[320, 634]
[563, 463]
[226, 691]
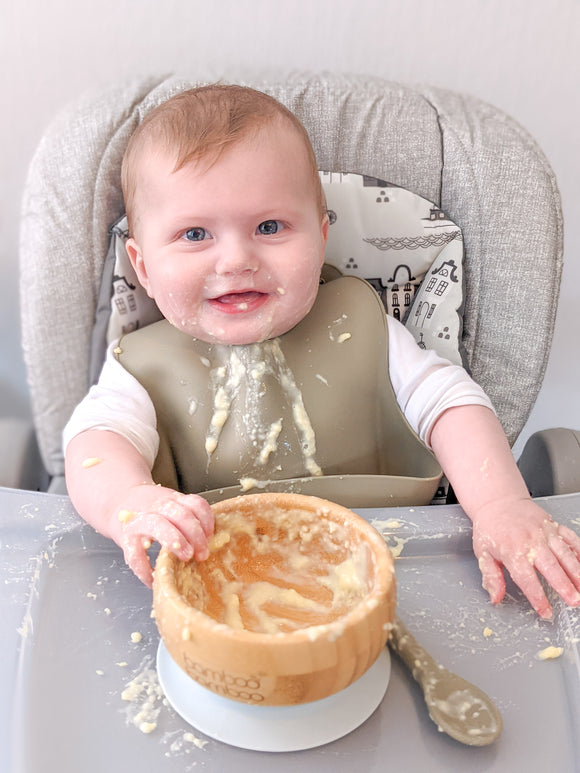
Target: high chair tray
[78, 646]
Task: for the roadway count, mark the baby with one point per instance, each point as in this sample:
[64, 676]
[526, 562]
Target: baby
[228, 228]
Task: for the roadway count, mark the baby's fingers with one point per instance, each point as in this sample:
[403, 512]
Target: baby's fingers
[562, 570]
[195, 536]
[492, 577]
[571, 539]
[193, 518]
[148, 527]
[201, 510]
[137, 559]
[524, 575]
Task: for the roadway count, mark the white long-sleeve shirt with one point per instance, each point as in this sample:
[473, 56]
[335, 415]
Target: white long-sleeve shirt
[425, 386]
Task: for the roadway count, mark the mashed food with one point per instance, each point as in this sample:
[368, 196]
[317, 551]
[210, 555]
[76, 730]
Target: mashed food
[278, 571]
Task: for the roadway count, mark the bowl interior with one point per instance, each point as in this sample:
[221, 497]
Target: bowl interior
[278, 566]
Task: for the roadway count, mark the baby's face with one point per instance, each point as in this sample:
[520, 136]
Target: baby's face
[232, 252]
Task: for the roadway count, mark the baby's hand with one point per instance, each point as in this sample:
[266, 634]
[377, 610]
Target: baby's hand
[525, 540]
[182, 523]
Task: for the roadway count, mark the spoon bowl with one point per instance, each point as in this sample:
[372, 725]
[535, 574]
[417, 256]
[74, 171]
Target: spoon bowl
[457, 707]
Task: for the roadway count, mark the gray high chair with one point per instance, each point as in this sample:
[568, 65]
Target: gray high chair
[467, 157]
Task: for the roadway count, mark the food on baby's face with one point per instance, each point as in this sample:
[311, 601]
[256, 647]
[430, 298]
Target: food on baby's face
[91, 461]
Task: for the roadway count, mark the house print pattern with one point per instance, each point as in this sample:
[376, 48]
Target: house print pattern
[125, 301]
[407, 248]
[131, 307]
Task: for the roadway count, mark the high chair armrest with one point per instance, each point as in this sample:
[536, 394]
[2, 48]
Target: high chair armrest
[20, 463]
[550, 462]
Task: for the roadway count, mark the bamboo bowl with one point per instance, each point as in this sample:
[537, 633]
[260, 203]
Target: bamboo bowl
[294, 603]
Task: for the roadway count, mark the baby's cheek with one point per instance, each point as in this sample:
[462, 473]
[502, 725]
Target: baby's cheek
[181, 310]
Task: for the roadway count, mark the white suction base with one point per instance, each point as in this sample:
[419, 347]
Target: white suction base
[273, 728]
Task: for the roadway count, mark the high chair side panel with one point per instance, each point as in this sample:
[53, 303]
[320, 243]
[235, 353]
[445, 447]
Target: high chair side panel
[70, 192]
[499, 187]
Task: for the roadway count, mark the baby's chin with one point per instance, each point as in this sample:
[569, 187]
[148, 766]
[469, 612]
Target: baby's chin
[242, 329]
[238, 340]
[229, 336]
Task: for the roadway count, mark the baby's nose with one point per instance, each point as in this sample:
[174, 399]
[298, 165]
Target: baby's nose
[237, 257]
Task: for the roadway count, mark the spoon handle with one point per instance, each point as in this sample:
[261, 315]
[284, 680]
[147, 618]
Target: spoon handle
[416, 658]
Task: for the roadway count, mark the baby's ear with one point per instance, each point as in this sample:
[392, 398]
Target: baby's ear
[136, 258]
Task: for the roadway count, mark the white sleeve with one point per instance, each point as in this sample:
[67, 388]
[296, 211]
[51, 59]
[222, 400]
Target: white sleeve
[425, 384]
[118, 403]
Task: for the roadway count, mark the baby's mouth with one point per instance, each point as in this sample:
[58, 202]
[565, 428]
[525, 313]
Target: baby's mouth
[235, 303]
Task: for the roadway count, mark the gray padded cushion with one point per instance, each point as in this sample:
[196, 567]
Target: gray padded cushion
[468, 157]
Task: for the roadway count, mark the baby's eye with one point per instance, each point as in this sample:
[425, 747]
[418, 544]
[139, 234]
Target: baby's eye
[269, 227]
[195, 234]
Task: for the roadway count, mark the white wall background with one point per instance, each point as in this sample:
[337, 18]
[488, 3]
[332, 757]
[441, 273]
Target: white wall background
[521, 55]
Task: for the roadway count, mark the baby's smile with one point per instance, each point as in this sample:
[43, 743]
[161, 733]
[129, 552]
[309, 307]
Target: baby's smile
[235, 303]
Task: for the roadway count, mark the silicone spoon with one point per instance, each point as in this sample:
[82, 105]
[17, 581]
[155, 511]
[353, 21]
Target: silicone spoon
[457, 707]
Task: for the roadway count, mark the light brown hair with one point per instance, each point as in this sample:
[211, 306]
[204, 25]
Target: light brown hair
[202, 123]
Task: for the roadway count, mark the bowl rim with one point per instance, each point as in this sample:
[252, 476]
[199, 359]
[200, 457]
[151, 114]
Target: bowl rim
[383, 580]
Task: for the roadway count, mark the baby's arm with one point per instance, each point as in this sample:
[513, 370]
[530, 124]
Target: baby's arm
[509, 529]
[111, 487]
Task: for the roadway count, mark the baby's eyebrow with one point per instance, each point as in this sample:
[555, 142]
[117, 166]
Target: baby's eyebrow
[178, 225]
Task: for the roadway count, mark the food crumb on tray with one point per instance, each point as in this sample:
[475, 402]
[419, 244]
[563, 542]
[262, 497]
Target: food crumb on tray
[550, 653]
